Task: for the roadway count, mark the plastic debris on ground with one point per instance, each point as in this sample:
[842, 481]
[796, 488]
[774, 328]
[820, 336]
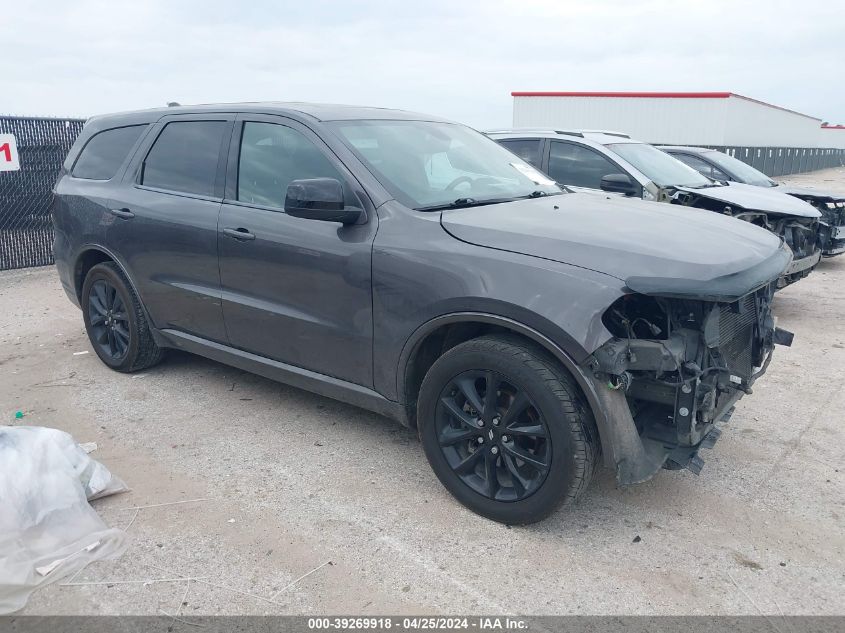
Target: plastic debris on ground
[48, 530]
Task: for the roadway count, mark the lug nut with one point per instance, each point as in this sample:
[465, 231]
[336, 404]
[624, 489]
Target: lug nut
[505, 438]
[686, 389]
[496, 421]
[481, 440]
[494, 450]
[480, 422]
[683, 411]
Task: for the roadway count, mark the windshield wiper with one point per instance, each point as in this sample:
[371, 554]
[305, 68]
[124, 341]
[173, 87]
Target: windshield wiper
[463, 203]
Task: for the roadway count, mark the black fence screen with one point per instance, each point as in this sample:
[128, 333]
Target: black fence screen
[782, 161]
[26, 230]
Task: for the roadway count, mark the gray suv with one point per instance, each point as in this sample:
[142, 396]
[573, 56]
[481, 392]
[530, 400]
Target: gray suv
[412, 266]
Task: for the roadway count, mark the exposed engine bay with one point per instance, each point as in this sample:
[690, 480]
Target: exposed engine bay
[683, 364]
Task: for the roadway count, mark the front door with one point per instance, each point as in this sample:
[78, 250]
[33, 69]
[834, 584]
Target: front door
[578, 167]
[294, 290]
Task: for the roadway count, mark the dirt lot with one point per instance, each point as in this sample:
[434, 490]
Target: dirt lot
[293, 480]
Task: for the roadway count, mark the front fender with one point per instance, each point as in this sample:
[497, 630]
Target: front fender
[617, 431]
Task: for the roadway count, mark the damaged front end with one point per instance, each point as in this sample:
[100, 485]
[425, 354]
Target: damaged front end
[831, 238]
[801, 234]
[674, 368]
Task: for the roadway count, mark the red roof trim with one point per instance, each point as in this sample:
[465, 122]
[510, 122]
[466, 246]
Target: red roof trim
[658, 95]
[833, 127]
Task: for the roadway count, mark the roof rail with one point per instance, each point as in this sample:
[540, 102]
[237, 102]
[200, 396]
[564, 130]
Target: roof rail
[525, 130]
[606, 132]
[579, 133]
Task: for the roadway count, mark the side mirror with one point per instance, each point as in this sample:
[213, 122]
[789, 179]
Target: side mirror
[319, 199]
[618, 183]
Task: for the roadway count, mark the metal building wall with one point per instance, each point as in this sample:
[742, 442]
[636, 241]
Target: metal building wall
[682, 121]
[683, 118]
[753, 124]
[832, 136]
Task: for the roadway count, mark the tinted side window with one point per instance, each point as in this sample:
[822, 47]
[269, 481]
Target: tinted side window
[184, 157]
[578, 166]
[271, 157]
[105, 152]
[528, 149]
[700, 166]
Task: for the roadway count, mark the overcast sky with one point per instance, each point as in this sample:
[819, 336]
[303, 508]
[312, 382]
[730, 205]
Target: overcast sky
[458, 59]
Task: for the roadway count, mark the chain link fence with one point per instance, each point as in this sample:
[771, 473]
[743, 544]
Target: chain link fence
[26, 230]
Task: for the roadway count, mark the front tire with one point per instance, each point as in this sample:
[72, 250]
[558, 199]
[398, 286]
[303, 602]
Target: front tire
[115, 321]
[505, 429]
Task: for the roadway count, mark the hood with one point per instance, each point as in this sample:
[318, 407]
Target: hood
[752, 198]
[655, 248]
[810, 192]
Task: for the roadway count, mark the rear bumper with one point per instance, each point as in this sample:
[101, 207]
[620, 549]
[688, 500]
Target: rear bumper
[61, 255]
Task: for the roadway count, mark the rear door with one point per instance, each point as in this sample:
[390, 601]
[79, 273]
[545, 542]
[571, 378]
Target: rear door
[165, 222]
[294, 290]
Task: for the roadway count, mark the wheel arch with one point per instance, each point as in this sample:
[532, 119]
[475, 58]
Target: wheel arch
[89, 256]
[431, 340]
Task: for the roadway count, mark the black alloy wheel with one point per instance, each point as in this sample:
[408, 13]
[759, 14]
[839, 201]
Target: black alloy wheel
[109, 320]
[493, 436]
[116, 321]
[506, 428]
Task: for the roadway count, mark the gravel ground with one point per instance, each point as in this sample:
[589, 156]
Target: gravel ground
[294, 480]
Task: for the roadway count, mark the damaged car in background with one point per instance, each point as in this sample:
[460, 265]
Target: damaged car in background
[719, 166]
[612, 162]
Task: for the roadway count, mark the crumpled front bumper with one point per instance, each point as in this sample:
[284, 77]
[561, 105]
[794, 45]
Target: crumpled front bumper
[637, 456]
[833, 240]
[799, 268]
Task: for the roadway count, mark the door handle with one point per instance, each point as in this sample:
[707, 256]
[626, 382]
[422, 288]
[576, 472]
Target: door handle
[122, 213]
[240, 234]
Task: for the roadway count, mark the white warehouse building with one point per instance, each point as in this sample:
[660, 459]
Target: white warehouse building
[716, 119]
[833, 136]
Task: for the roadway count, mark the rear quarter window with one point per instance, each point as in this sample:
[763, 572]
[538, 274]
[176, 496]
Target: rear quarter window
[105, 152]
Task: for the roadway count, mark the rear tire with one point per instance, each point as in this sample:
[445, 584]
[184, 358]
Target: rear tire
[115, 321]
[514, 454]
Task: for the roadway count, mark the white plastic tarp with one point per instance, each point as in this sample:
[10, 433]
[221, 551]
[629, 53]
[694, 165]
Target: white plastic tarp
[48, 531]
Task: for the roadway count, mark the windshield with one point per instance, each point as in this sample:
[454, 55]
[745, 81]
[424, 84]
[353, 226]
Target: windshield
[426, 164]
[739, 170]
[659, 167]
